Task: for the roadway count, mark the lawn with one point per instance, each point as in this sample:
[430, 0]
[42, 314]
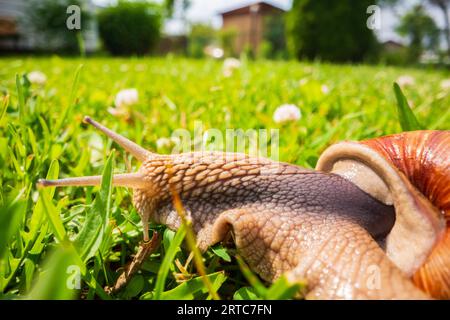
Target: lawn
[47, 237]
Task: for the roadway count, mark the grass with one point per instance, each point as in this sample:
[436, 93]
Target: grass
[52, 240]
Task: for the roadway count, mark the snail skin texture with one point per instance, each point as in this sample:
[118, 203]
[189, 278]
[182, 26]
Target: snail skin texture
[371, 222]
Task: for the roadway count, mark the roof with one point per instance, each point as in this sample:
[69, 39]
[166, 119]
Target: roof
[260, 5]
[393, 43]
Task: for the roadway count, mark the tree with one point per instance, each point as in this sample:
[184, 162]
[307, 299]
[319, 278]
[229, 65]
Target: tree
[444, 5]
[421, 30]
[274, 38]
[330, 30]
[172, 5]
[177, 9]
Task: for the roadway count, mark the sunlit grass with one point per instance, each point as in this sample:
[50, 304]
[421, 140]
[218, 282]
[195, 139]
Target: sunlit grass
[98, 230]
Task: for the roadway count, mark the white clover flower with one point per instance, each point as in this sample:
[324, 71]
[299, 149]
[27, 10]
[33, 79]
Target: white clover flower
[37, 77]
[126, 98]
[445, 84]
[405, 80]
[122, 112]
[227, 73]
[287, 112]
[325, 89]
[303, 81]
[232, 63]
[217, 53]
[123, 101]
[213, 52]
[229, 65]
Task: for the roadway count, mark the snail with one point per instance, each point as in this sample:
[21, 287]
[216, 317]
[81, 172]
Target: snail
[348, 229]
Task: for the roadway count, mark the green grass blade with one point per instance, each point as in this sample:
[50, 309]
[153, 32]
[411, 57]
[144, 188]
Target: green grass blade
[167, 261]
[60, 278]
[282, 289]
[251, 277]
[11, 215]
[246, 293]
[91, 281]
[72, 100]
[221, 252]
[192, 288]
[91, 235]
[29, 268]
[81, 45]
[18, 169]
[134, 287]
[53, 216]
[4, 107]
[35, 222]
[50, 210]
[20, 97]
[406, 117]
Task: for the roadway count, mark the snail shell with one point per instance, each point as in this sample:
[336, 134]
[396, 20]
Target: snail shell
[410, 170]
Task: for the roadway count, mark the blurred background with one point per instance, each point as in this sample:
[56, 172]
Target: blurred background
[399, 32]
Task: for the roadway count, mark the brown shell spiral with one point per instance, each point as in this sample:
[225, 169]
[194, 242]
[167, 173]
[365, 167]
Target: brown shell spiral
[424, 157]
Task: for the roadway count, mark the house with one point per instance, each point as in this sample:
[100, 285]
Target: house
[249, 24]
[11, 12]
[392, 46]
[16, 34]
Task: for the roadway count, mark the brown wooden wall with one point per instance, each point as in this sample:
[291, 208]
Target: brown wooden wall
[249, 26]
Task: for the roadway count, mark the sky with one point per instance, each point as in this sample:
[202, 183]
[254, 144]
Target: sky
[208, 11]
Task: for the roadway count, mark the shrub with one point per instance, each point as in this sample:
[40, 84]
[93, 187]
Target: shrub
[398, 57]
[130, 27]
[227, 39]
[200, 36]
[330, 30]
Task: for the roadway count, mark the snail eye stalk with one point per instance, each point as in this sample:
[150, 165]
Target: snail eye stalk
[129, 180]
[136, 150]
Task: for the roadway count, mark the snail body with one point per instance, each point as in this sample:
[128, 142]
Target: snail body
[314, 225]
